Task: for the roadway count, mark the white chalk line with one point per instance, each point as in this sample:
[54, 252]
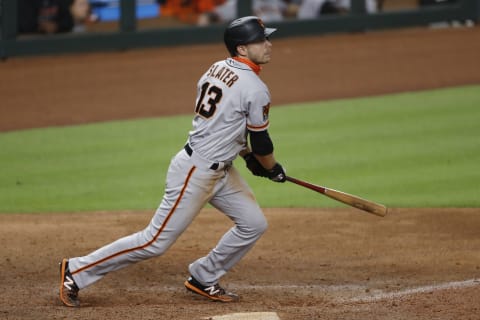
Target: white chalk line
[379, 296]
[374, 295]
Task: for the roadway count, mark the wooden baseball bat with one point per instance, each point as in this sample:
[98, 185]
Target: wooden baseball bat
[351, 200]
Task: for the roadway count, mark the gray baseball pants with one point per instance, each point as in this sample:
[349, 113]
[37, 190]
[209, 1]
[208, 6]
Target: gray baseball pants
[190, 185]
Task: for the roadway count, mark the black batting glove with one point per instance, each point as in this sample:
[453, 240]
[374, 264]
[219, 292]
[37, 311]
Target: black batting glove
[254, 165]
[277, 173]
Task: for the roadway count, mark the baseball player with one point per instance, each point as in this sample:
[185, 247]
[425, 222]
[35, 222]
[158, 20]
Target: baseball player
[231, 109]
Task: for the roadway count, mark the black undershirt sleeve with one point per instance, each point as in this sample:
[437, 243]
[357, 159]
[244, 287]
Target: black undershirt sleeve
[261, 142]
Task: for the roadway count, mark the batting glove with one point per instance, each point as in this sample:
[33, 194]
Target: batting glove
[277, 173]
[254, 166]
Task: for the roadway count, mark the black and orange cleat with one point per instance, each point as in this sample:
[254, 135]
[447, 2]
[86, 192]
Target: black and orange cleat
[215, 292]
[68, 288]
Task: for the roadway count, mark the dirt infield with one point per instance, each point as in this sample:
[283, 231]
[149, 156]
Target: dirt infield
[311, 263]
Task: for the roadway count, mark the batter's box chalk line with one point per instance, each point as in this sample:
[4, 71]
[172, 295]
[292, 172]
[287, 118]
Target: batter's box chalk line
[246, 316]
[408, 292]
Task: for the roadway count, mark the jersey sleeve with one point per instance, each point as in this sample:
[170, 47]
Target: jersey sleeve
[258, 109]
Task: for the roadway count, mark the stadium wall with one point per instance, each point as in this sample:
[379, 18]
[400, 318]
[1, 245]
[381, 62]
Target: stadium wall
[128, 36]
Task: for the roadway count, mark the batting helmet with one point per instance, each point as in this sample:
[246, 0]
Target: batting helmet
[244, 31]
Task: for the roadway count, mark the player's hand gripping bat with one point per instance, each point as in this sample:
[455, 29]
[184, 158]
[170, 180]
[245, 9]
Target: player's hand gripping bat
[351, 200]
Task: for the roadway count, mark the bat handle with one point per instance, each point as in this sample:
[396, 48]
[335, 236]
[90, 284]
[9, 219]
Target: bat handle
[289, 178]
[307, 185]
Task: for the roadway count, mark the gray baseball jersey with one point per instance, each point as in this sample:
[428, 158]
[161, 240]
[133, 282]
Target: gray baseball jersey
[231, 100]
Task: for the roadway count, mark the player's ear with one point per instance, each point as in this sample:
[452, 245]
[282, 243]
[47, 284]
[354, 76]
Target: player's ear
[242, 50]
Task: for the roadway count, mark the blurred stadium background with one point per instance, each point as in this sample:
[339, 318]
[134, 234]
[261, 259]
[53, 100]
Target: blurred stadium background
[124, 24]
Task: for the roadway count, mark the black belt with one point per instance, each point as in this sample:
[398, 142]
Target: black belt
[189, 151]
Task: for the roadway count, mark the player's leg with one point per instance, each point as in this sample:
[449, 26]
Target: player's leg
[235, 198]
[187, 190]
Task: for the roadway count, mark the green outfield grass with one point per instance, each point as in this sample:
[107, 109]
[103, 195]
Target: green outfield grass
[417, 149]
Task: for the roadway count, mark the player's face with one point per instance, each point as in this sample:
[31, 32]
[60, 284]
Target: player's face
[259, 52]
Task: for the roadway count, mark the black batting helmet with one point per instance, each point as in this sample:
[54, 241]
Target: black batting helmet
[244, 31]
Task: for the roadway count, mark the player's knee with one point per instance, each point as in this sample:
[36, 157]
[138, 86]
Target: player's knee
[263, 226]
[258, 226]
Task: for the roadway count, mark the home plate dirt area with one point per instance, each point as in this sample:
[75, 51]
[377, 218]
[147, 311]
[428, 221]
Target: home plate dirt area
[310, 264]
[316, 263]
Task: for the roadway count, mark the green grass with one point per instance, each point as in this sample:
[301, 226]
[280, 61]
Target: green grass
[417, 149]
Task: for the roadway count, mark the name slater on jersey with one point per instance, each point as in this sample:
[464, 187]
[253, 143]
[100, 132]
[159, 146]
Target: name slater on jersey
[223, 74]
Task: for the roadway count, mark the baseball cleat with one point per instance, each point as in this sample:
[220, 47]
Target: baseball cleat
[68, 288]
[215, 292]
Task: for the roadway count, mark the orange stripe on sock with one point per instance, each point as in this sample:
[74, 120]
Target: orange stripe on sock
[154, 238]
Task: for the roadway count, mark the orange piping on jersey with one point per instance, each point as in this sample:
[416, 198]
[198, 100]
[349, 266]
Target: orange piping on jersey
[156, 235]
[255, 67]
[259, 128]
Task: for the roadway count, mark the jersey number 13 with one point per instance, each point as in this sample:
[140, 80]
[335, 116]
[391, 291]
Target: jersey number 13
[209, 98]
